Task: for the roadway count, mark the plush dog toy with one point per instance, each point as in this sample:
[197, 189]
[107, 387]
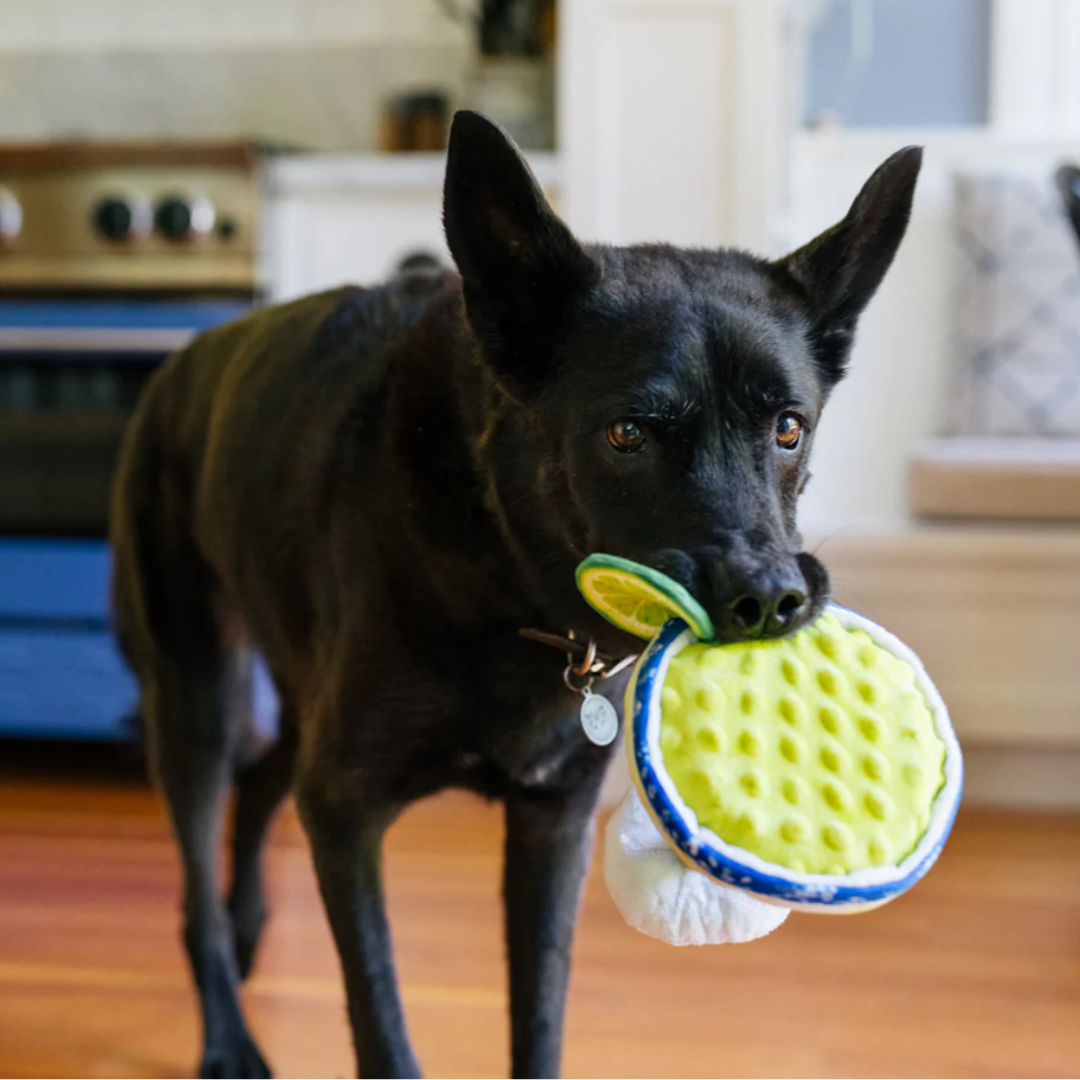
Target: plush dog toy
[817, 771]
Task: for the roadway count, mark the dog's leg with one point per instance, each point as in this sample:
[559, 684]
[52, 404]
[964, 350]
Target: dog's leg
[192, 701]
[548, 846]
[260, 789]
[346, 844]
[193, 767]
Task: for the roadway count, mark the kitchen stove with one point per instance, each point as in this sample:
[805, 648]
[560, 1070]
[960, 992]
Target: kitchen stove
[111, 257]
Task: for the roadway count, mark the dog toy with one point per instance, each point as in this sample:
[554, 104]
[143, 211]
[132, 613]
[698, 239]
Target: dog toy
[817, 771]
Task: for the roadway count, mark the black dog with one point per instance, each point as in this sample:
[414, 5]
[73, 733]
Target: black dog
[378, 488]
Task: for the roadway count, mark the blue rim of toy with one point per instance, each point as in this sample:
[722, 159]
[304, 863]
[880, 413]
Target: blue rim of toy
[744, 870]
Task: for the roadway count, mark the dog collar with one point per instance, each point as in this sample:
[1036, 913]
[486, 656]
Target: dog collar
[584, 660]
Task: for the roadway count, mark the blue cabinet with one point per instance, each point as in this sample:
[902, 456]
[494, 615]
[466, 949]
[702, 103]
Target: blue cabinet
[60, 671]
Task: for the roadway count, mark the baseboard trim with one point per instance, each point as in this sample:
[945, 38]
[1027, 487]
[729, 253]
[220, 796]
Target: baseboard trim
[1022, 778]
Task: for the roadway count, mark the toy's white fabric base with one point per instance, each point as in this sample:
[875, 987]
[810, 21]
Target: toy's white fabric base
[658, 894]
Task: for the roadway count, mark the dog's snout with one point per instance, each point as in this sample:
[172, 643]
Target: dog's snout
[754, 595]
[750, 594]
[767, 608]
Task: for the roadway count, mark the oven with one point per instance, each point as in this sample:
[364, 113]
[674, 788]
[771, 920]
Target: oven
[105, 269]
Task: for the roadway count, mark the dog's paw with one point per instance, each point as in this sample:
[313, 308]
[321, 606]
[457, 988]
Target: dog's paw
[241, 1058]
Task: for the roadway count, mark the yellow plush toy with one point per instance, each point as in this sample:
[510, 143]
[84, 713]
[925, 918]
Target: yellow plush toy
[817, 771]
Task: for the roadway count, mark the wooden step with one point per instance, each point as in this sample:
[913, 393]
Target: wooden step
[997, 478]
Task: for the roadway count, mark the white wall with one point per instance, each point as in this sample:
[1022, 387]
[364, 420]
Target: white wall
[83, 25]
[312, 73]
[670, 119]
[895, 395]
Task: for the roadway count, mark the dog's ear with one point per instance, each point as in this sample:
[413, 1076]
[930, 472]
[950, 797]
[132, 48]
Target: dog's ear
[841, 270]
[520, 265]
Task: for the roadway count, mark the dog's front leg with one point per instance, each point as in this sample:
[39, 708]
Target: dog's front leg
[346, 845]
[548, 846]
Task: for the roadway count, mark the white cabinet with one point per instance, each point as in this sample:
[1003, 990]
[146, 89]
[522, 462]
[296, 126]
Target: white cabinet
[334, 219]
[670, 119]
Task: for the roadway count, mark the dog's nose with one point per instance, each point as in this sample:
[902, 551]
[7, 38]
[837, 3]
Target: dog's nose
[749, 594]
[763, 606]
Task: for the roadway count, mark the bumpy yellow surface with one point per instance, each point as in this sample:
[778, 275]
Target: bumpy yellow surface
[817, 752]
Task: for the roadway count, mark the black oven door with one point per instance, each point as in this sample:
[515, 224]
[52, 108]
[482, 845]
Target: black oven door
[70, 373]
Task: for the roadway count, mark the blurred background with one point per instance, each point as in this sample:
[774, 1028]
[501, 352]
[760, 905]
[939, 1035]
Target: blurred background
[166, 164]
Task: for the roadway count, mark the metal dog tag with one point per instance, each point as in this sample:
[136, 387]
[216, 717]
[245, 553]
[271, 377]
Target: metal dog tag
[598, 718]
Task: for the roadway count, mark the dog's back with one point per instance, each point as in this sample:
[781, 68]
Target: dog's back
[231, 439]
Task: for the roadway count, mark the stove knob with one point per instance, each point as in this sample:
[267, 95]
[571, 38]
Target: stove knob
[180, 218]
[119, 218]
[10, 216]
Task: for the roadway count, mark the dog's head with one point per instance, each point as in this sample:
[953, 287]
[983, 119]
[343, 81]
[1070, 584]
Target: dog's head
[657, 403]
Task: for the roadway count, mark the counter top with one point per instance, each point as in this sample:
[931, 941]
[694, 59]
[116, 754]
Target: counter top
[317, 173]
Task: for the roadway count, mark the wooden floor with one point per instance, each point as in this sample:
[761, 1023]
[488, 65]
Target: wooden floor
[975, 973]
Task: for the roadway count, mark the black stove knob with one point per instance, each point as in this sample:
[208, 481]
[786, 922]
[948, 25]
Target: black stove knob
[117, 218]
[178, 218]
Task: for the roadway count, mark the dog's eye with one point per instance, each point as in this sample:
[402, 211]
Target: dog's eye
[626, 436]
[788, 431]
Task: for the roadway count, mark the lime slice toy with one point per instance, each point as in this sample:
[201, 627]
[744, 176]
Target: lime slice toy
[638, 599]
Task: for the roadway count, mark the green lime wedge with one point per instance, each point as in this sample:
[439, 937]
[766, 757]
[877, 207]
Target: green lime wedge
[639, 599]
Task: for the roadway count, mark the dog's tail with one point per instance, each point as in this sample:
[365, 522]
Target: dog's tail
[138, 485]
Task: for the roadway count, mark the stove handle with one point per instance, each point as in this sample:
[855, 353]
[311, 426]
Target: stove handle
[93, 339]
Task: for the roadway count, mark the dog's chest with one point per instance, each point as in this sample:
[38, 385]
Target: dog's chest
[538, 740]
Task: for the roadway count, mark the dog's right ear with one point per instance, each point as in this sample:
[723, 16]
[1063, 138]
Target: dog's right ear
[840, 271]
[521, 266]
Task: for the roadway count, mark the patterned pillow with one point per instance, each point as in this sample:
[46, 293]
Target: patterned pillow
[1017, 315]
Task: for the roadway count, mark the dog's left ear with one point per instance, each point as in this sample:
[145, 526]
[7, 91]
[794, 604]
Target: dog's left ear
[520, 264]
[841, 270]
